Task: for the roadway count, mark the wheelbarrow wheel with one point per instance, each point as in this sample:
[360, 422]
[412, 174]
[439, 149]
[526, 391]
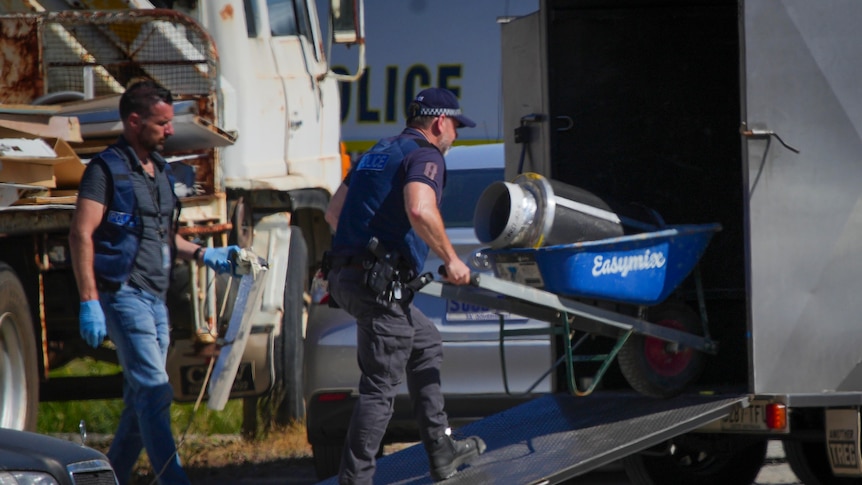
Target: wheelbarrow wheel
[662, 369]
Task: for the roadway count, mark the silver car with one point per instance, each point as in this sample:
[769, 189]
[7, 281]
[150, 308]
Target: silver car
[473, 377]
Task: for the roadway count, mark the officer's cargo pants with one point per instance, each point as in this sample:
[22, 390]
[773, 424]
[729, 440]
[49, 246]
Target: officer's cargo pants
[392, 340]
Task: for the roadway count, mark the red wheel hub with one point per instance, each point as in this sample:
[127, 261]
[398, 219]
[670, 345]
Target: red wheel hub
[665, 358]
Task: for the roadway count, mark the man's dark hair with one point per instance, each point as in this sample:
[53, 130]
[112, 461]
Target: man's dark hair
[141, 96]
[414, 119]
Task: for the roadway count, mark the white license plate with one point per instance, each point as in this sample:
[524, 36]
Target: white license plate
[751, 418]
[457, 311]
[842, 436]
[193, 378]
[844, 455]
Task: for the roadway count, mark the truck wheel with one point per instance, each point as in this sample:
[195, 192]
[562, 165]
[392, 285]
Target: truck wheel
[19, 370]
[700, 459]
[657, 368]
[809, 462]
[287, 400]
[327, 458]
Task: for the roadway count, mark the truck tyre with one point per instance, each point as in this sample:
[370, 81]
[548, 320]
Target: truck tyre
[19, 370]
[327, 458]
[287, 401]
[657, 368]
[809, 462]
[700, 459]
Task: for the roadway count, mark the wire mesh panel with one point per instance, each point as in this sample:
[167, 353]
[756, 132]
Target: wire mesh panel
[98, 53]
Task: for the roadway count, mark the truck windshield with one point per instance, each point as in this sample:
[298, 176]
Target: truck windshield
[288, 17]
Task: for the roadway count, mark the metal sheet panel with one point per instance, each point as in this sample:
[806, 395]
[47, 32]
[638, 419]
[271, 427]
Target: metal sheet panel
[524, 68]
[558, 436]
[802, 66]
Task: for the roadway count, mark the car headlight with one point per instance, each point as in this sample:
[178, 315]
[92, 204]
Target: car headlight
[26, 478]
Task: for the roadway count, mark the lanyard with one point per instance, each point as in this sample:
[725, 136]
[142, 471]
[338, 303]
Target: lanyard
[155, 195]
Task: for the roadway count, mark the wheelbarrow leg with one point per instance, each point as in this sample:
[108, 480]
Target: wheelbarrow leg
[570, 359]
[701, 301]
[503, 334]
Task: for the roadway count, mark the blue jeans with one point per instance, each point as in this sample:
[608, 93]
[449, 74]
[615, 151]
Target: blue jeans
[137, 323]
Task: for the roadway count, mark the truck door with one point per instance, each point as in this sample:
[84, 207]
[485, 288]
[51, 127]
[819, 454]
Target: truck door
[301, 67]
[801, 88]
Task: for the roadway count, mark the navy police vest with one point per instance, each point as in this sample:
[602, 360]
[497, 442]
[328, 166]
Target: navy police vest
[374, 205]
[118, 237]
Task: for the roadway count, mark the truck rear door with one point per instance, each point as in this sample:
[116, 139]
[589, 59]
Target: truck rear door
[801, 71]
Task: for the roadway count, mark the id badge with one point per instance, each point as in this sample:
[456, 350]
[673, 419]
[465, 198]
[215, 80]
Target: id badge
[166, 256]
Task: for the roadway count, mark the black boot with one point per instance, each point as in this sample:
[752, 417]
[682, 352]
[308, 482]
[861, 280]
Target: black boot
[446, 454]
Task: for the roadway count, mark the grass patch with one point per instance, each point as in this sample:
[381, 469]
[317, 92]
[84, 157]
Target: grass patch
[210, 443]
[103, 416]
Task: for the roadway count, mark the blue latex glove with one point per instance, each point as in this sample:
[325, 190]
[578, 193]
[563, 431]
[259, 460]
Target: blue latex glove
[92, 323]
[219, 259]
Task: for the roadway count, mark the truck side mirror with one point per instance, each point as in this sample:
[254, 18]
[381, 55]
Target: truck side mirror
[346, 19]
[347, 26]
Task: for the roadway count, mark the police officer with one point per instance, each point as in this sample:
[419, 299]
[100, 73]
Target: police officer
[123, 240]
[393, 200]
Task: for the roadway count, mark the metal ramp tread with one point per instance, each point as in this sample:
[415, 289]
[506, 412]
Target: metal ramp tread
[558, 436]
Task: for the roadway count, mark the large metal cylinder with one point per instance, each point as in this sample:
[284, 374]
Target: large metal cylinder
[533, 211]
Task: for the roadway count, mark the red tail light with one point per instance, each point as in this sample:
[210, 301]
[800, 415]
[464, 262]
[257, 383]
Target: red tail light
[776, 416]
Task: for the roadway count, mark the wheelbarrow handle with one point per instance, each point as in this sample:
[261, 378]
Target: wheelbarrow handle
[474, 277]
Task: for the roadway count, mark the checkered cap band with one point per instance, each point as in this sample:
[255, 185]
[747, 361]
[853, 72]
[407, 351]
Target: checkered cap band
[439, 112]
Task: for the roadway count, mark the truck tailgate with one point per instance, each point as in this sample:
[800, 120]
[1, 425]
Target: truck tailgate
[558, 436]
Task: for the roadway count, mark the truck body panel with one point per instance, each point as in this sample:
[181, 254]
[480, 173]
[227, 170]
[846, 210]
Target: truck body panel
[657, 116]
[801, 66]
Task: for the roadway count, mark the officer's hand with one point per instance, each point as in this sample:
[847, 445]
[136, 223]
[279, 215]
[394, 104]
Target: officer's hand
[92, 323]
[219, 259]
[457, 272]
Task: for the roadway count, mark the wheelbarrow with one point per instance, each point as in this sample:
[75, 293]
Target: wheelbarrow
[657, 357]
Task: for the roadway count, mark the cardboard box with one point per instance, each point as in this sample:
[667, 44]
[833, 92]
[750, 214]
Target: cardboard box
[40, 121]
[63, 171]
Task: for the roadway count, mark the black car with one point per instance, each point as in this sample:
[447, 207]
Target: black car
[33, 459]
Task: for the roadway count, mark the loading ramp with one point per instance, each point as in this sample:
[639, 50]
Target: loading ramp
[559, 436]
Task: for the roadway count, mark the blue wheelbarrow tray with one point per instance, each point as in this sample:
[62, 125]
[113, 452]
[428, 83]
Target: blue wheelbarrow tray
[642, 269]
